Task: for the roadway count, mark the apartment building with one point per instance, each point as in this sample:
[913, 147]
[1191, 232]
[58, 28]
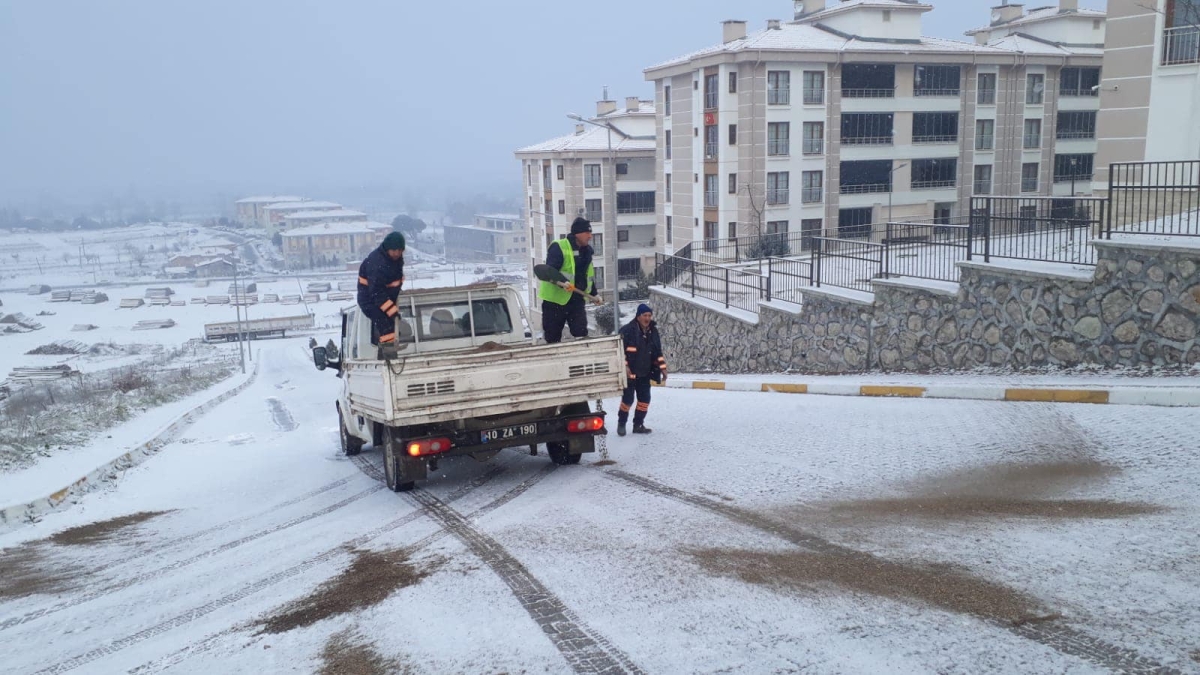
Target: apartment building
[848, 116]
[249, 211]
[330, 244]
[297, 219]
[498, 238]
[273, 215]
[574, 175]
[1150, 94]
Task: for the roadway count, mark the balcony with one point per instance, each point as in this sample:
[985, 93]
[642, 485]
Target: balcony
[865, 188]
[1069, 177]
[779, 147]
[814, 146]
[1181, 45]
[814, 97]
[710, 150]
[779, 97]
[867, 140]
[778, 196]
[1078, 91]
[934, 138]
[1070, 135]
[937, 92]
[933, 184]
[869, 93]
[711, 200]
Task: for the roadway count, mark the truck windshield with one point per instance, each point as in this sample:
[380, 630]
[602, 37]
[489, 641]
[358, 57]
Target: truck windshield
[447, 320]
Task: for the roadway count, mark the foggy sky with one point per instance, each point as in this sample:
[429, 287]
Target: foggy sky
[255, 96]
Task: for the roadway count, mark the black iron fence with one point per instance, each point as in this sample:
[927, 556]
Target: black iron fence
[732, 287]
[1154, 198]
[756, 247]
[846, 263]
[926, 250]
[1050, 229]
[786, 279]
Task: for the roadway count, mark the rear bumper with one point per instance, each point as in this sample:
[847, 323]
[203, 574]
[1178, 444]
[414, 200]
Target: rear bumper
[550, 430]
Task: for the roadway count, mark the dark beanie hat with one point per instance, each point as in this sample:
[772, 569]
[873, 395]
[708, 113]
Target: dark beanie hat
[643, 309]
[393, 242]
[580, 225]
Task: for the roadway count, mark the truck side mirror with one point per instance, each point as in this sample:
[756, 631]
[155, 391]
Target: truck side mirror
[319, 357]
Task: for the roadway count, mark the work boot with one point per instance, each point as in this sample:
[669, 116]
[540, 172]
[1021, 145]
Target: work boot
[621, 429]
[641, 429]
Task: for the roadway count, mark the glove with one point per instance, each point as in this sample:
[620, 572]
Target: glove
[568, 286]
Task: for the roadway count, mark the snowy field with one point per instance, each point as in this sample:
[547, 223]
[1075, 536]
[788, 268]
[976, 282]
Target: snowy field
[748, 533]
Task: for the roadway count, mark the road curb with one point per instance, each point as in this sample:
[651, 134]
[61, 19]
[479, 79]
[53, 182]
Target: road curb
[20, 514]
[1114, 395]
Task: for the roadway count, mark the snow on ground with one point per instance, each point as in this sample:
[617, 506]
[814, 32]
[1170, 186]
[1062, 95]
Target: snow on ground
[748, 533]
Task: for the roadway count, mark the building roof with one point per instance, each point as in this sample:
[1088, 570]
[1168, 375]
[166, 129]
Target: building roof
[1038, 15]
[300, 206]
[214, 262]
[269, 200]
[323, 215]
[847, 5]
[592, 139]
[499, 216]
[808, 37]
[1027, 44]
[329, 228]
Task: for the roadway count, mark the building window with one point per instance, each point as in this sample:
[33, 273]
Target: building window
[710, 141]
[546, 177]
[987, 89]
[592, 209]
[985, 134]
[867, 128]
[710, 191]
[855, 223]
[935, 127]
[668, 184]
[635, 202]
[777, 227]
[779, 87]
[622, 236]
[733, 134]
[1029, 177]
[814, 87]
[866, 176]
[667, 144]
[668, 229]
[667, 100]
[1181, 37]
[1079, 82]
[562, 206]
[937, 80]
[560, 171]
[733, 183]
[1035, 89]
[549, 214]
[591, 175]
[733, 229]
[814, 138]
[778, 139]
[1033, 134]
[930, 174]
[812, 183]
[710, 91]
[733, 82]
[868, 80]
[711, 236]
[1076, 124]
[1069, 168]
[622, 169]
[529, 174]
[598, 249]
[983, 179]
[629, 268]
[809, 228]
[777, 187]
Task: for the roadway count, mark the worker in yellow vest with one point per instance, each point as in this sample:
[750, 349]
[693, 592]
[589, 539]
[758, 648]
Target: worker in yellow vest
[562, 306]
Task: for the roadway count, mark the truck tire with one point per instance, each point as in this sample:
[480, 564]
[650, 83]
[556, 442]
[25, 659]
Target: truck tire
[393, 462]
[560, 452]
[351, 445]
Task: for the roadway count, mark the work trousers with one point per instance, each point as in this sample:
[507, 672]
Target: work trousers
[639, 387]
[555, 316]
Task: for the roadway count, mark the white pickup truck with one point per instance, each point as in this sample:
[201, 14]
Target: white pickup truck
[468, 381]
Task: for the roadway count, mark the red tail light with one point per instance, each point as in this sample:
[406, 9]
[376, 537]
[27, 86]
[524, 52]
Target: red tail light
[586, 424]
[429, 446]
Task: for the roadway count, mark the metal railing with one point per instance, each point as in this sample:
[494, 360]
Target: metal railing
[926, 250]
[933, 184]
[869, 93]
[1033, 142]
[937, 92]
[1050, 229]
[814, 146]
[867, 140]
[1181, 45]
[710, 100]
[1062, 134]
[1078, 91]
[787, 278]
[986, 97]
[865, 189]
[846, 263]
[982, 187]
[781, 96]
[710, 150]
[985, 142]
[935, 138]
[710, 198]
[811, 195]
[1154, 198]
[1068, 177]
[777, 196]
[753, 247]
[779, 147]
[814, 96]
[738, 288]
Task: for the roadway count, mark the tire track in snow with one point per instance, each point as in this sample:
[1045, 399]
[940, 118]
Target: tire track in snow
[1057, 636]
[281, 416]
[156, 573]
[177, 657]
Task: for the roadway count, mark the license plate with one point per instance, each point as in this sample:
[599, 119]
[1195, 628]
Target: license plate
[505, 433]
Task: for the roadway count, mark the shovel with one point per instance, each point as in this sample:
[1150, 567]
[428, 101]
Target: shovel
[547, 273]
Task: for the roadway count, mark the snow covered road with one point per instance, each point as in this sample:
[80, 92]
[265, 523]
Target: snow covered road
[749, 533]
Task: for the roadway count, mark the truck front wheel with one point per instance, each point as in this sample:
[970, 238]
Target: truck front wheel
[393, 462]
[351, 445]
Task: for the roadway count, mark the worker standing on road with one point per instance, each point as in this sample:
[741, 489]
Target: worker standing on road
[380, 278]
[644, 362]
[561, 305]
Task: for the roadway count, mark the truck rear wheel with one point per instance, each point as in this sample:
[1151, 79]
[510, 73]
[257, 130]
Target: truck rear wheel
[351, 445]
[393, 462]
[570, 452]
[560, 453]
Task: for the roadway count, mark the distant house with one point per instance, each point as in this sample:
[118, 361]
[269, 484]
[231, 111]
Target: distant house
[219, 267]
[292, 221]
[496, 238]
[274, 214]
[329, 244]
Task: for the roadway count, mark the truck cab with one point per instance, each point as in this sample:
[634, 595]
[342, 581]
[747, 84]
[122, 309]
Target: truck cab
[469, 380]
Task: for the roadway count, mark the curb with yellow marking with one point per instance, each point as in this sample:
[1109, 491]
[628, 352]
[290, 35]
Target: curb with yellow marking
[1115, 395]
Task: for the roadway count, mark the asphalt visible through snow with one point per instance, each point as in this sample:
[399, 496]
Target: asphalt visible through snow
[749, 533]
